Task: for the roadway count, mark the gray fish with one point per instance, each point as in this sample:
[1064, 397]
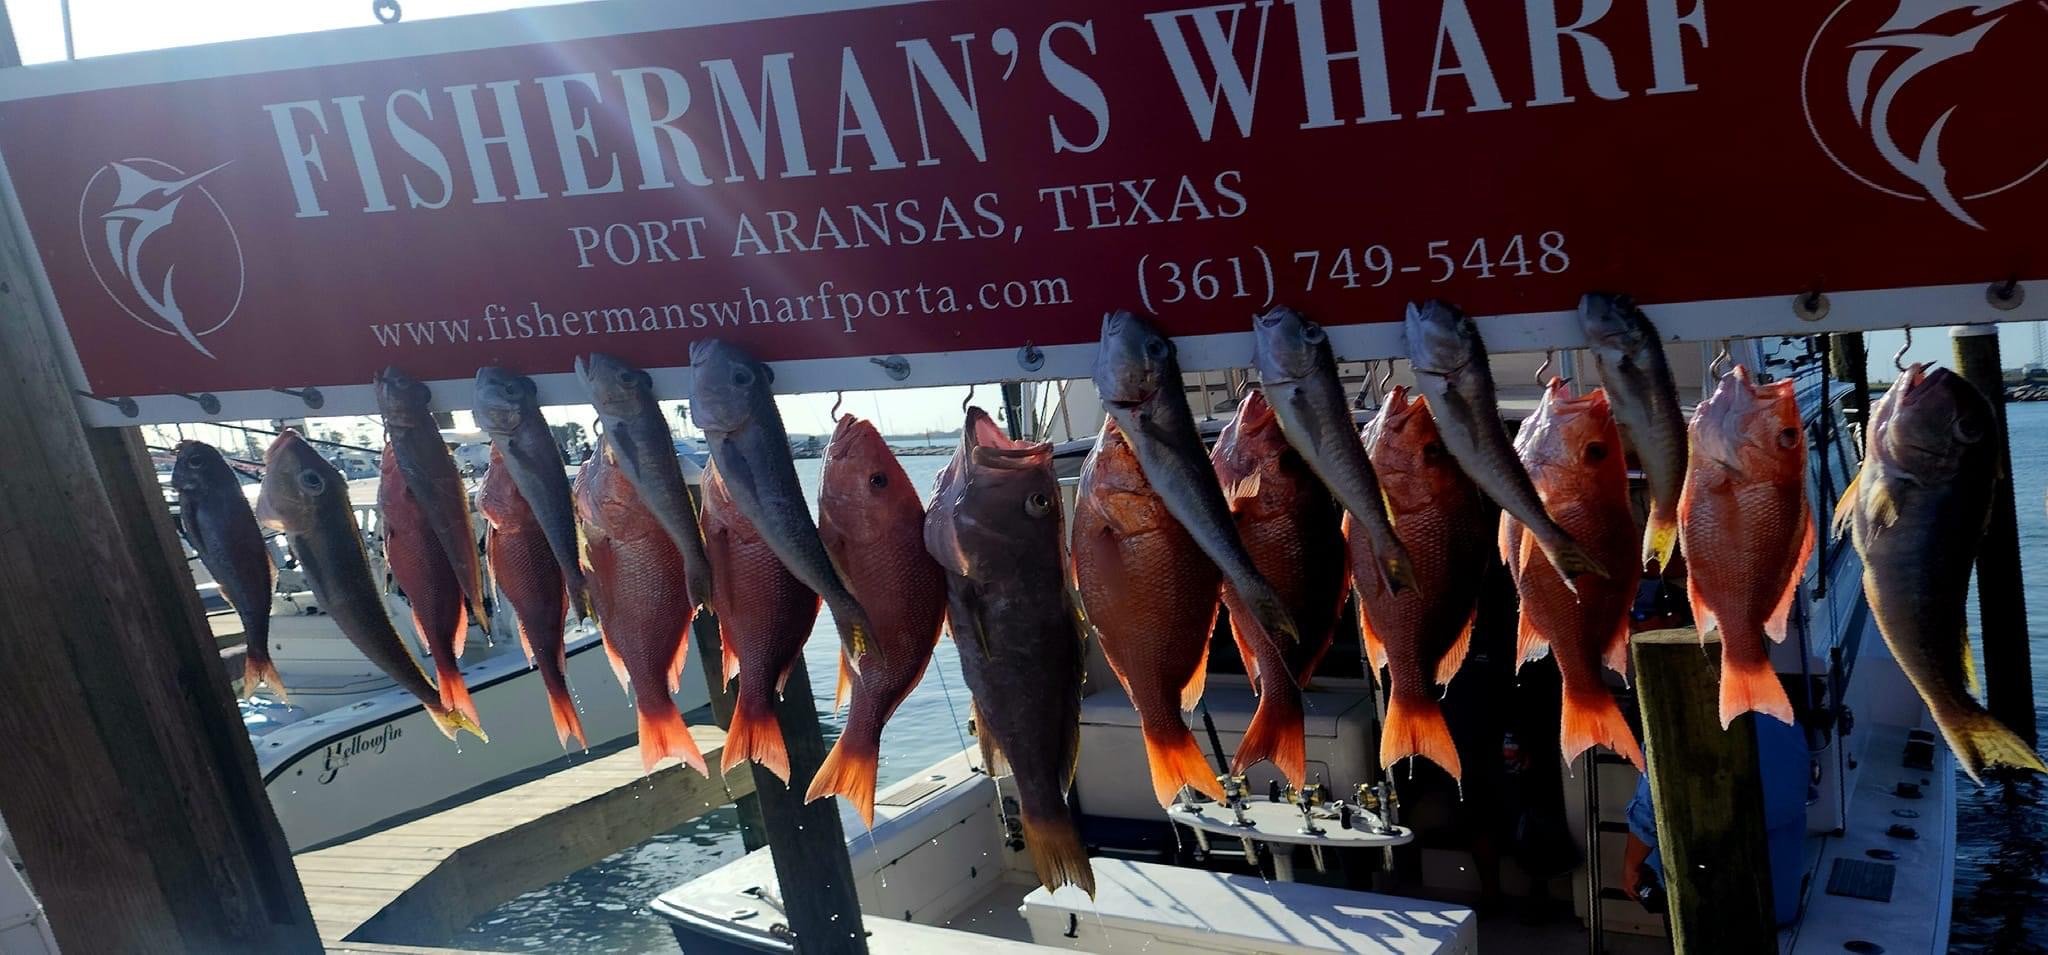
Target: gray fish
[1629, 355]
[1450, 368]
[430, 474]
[732, 404]
[1919, 508]
[217, 520]
[1298, 372]
[306, 498]
[1138, 376]
[508, 407]
[646, 454]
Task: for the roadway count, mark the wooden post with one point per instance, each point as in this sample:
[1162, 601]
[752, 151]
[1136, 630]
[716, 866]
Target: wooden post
[2001, 588]
[1849, 362]
[1708, 795]
[808, 846]
[705, 632]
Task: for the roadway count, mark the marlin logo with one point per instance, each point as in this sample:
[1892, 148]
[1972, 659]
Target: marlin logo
[143, 206]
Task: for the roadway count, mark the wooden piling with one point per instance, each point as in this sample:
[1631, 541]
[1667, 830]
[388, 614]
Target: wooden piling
[2001, 588]
[753, 830]
[1849, 362]
[1708, 796]
[805, 839]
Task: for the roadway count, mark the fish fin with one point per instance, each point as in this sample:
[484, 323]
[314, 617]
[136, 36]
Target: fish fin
[1508, 545]
[1307, 670]
[1453, 658]
[992, 761]
[1845, 507]
[1530, 645]
[1415, 727]
[1703, 621]
[1616, 655]
[454, 692]
[462, 618]
[1970, 678]
[1191, 694]
[1242, 491]
[260, 672]
[1781, 612]
[682, 656]
[663, 734]
[1752, 687]
[618, 663]
[525, 645]
[1177, 761]
[849, 773]
[782, 681]
[448, 721]
[729, 658]
[1244, 651]
[1593, 719]
[755, 734]
[1979, 740]
[562, 708]
[1276, 733]
[842, 693]
[1660, 539]
[1375, 648]
[1056, 852]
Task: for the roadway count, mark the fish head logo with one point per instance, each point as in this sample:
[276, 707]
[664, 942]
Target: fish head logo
[162, 247]
[1914, 98]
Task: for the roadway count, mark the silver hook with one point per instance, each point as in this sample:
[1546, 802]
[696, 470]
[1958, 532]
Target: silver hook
[838, 398]
[1721, 358]
[1385, 379]
[1899, 358]
[1549, 355]
[964, 402]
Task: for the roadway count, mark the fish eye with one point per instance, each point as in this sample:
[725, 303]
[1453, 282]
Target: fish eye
[741, 376]
[1967, 430]
[1313, 333]
[1155, 348]
[312, 481]
[1037, 505]
[625, 377]
[878, 479]
[1788, 438]
[1434, 449]
[1596, 452]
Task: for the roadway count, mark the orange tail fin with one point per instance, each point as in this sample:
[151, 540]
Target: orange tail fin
[663, 734]
[1592, 719]
[454, 692]
[257, 672]
[1057, 853]
[756, 735]
[1177, 761]
[567, 722]
[1416, 727]
[848, 772]
[1751, 687]
[1276, 733]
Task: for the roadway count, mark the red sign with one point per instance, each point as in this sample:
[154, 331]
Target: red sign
[849, 183]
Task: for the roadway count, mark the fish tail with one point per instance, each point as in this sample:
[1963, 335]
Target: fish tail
[1751, 686]
[1057, 853]
[1415, 727]
[755, 734]
[848, 772]
[1276, 731]
[1592, 719]
[259, 672]
[1660, 538]
[454, 692]
[663, 734]
[561, 706]
[448, 721]
[1177, 761]
[1980, 740]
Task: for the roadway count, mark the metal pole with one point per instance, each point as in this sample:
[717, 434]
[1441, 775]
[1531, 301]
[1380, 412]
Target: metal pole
[2001, 588]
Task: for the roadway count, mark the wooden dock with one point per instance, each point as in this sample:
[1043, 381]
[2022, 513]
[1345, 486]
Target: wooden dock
[421, 882]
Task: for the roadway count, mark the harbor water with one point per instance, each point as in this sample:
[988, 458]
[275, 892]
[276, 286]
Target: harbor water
[2001, 884]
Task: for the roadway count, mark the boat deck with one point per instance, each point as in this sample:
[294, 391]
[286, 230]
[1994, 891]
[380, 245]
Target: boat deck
[420, 882]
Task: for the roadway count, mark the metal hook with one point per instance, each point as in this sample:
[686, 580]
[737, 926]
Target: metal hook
[1899, 357]
[127, 405]
[1715, 368]
[964, 402]
[838, 398]
[1549, 355]
[311, 396]
[1385, 379]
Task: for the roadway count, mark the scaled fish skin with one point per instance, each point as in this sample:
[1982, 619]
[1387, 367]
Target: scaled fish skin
[637, 584]
[429, 472]
[523, 564]
[1572, 449]
[1744, 502]
[995, 528]
[1919, 508]
[1450, 366]
[307, 499]
[508, 407]
[422, 572]
[764, 616]
[1150, 596]
[732, 405]
[217, 520]
[873, 525]
[1139, 379]
[1629, 355]
[645, 453]
[1421, 635]
[1298, 373]
[1293, 531]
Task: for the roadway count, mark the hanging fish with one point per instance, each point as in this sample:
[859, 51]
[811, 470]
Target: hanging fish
[644, 452]
[1629, 354]
[422, 573]
[764, 616]
[1294, 532]
[523, 565]
[1919, 508]
[307, 499]
[428, 470]
[1150, 596]
[995, 528]
[217, 521]
[872, 524]
[1572, 450]
[508, 407]
[1421, 635]
[1747, 531]
[638, 587]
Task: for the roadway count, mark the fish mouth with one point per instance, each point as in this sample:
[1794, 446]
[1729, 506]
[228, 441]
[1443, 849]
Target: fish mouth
[988, 446]
[846, 432]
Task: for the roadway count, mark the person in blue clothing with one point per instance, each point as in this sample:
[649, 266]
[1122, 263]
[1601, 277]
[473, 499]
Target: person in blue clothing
[1784, 764]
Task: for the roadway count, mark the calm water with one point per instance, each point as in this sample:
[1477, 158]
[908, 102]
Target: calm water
[2001, 871]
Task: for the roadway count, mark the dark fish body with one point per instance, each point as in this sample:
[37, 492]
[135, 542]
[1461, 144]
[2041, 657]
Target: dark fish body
[422, 573]
[429, 472]
[523, 564]
[508, 408]
[1451, 370]
[1919, 508]
[995, 528]
[307, 499]
[764, 616]
[1298, 373]
[1629, 354]
[644, 452]
[217, 521]
[732, 404]
[1139, 379]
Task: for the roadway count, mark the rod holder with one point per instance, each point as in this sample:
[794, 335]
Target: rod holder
[127, 406]
[2007, 295]
[1812, 307]
[897, 366]
[311, 396]
[206, 400]
[1030, 357]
